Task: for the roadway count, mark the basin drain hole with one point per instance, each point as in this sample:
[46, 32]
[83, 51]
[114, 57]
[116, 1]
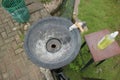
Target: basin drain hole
[53, 46]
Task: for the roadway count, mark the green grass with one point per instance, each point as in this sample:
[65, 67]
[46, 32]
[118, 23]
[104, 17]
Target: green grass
[99, 15]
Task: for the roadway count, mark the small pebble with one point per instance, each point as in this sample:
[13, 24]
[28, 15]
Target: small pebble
[14, 29]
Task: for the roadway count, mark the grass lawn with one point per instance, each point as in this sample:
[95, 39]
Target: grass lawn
[99, 14]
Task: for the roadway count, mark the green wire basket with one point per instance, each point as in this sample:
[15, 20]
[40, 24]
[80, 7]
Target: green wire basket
[17, 9]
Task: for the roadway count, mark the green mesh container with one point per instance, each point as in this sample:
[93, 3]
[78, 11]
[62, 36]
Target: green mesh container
[17, 9]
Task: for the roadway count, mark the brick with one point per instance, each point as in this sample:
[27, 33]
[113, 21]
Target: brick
[13, 33]
[1, 41]
[1, 29]
[8, 16]
[35, 7]
[3, 53]
[4, 35]
[9, 40]
[2, 17]
[44, 13]
[28, 2]
[15, 57]
[35, 16]
[7, 59]
[10, 23]
[18, 51]
[32, 18]
[11, 50]
[21, 44]
[14, 45]
[4, 25]
[4, 47]
[17, 38]
[5, 19]
[2, 66]
[7, 28]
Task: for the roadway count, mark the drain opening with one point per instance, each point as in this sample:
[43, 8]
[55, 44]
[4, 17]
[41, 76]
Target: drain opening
[53, 45]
